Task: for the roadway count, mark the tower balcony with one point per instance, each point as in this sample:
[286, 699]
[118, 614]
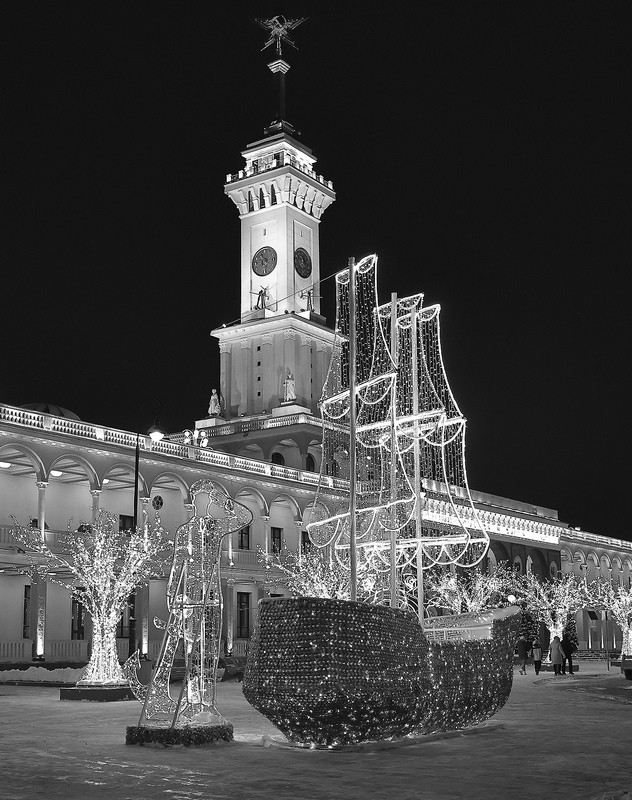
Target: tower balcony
[273, 161]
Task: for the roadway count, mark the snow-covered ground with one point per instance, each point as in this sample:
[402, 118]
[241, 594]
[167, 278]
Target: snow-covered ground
[556, 737]
[40, 675]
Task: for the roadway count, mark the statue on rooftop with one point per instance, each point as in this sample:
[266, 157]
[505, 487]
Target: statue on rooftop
[214, 406]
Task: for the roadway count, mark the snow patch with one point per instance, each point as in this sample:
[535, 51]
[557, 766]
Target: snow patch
[41, 675]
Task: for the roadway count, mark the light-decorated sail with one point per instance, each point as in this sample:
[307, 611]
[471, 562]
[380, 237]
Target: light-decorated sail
[411, 490]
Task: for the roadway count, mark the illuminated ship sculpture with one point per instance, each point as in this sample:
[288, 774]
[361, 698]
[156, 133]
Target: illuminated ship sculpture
[328, 672]
[194, 601]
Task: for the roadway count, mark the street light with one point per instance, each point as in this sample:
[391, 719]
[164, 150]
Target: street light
[155, 434]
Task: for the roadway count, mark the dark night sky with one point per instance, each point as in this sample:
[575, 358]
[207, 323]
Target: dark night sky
[481, 149]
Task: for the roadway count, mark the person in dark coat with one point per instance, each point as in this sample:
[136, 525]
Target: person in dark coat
[523, 647]
[557, 655]
[537, 656]
[568, 648]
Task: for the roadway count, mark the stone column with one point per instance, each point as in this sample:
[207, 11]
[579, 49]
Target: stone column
[41, 508]
[299, 529]
[225, 381]
[229, 614]
[96, 496]
[269, 390]
[304, 380]
[266, 533]
[320, 371]
[246, 405]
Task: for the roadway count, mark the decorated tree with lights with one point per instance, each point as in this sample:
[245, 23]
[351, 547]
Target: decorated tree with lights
[617, 600]
[99, 565]
[550, 602]
[316, 573]
[471, 592]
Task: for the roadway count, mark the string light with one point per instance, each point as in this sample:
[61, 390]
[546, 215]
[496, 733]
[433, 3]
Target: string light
[551, 601]
[410, 438]
[472, 592]
[617, 601]
[194, 601]
[330, 673]
[99, 565]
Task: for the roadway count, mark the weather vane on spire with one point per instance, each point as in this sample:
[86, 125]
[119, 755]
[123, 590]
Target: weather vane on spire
[279, 27]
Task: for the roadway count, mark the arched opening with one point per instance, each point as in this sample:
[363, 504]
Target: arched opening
[277, 458]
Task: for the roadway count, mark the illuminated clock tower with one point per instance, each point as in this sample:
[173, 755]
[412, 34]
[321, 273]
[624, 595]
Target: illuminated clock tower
[280, 200]
[274, 361]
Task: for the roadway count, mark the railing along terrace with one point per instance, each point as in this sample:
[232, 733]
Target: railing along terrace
[52, 538]
[251, 425]
[599, 541]
[168, 447]
[275, 161]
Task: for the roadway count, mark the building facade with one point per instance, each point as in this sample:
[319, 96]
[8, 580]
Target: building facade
[260, 443]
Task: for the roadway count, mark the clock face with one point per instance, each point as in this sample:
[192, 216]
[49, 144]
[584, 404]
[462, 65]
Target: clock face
[302, 262]
[264, 261]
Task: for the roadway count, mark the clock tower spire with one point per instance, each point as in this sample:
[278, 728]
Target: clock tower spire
[280, 199]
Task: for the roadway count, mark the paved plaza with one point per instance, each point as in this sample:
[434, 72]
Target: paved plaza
[566, 736]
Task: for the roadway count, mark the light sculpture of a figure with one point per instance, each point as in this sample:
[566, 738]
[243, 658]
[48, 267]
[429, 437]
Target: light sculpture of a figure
[194, 601]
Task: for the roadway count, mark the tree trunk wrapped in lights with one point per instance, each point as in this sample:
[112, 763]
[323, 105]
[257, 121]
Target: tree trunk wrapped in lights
[617, 601]
[550, 601]
[99, 565]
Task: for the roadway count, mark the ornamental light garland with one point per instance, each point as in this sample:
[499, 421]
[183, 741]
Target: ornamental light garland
[473, 592]
[551, 601]
[317, 573]
[99, 565]
[408, 504]
[617, 600]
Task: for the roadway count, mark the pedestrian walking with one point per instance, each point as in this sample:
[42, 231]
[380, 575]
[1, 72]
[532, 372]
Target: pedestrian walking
[523, 647]
[537, 656]
[567, 647]
[557, 655]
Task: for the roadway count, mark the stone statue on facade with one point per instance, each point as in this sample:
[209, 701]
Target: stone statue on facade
[214, 406]
[289, 387]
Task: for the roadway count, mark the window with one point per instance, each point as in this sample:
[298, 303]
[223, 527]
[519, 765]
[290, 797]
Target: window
[126, 522]
[77, 619]
[26, 614]
[275, 539]
[310, 464]
[305, 541]
[243, 615]
[244, 538]
[277, 458]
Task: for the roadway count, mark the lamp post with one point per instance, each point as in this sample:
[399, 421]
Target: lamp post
[155, 434]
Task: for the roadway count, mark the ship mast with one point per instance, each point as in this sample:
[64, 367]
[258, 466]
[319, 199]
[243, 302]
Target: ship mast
[352, 432]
